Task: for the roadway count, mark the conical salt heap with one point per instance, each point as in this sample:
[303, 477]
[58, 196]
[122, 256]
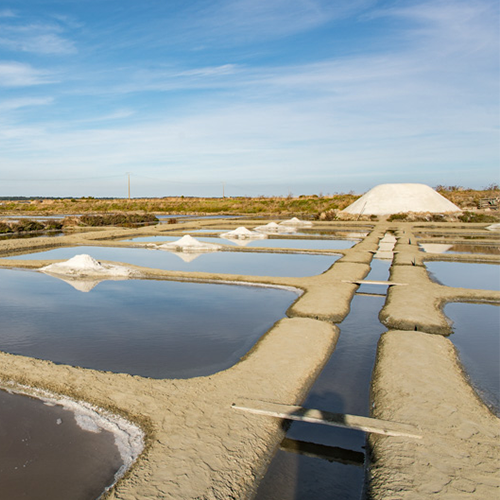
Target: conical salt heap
[386, 199]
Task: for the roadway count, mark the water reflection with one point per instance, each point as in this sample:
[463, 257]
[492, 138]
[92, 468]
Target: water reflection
[46, 454]
[156, 329]
[476, 330]
[465, 274]
[16, 236]
[448, 236]
[246, 263]
[460, 248]
[300, 244]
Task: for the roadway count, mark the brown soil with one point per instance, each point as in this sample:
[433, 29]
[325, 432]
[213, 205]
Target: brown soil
[199, 447]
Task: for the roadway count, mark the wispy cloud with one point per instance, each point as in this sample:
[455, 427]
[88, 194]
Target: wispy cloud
[7, 13]
[15, 74]
[24, 102]
[422, 106]
[36, 38]
[245, 20]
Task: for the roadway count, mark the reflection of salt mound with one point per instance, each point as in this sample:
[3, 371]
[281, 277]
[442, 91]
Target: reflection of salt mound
[82, 285]
[494, 227]
[242, 233]
[272, 227]
[187, 256]
[189, 244]
[435, 247]
[85, 265]
[386, 247]
[241, 243]
[296, 222]
[350, 235]
[387, 199]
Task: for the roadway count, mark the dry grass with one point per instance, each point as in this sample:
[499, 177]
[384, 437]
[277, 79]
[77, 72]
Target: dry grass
[302, 206]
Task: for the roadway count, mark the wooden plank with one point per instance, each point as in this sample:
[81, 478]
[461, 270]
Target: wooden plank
[314, 416]
[370, 282]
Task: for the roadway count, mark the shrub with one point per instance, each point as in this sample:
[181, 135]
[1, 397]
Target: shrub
[26, 225]
[127, 220]
[477, 217]
[402, 216]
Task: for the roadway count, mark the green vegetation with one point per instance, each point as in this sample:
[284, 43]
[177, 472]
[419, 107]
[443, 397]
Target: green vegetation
[466, 198]
[28, 226]
[304, 206]
[285, 206]
[400, 217]
[477, 217]
[125, 220]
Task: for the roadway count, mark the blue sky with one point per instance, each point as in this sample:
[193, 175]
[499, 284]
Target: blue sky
[263, 97]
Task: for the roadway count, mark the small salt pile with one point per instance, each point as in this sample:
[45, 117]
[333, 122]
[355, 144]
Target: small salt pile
[242, 233]
[85, 265]
[272, 228]
[189, 244]
[296, 222]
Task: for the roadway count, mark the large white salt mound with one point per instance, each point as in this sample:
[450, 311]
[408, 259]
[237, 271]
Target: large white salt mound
[296, 222]
[272, 227]
[85, 265]
[494, 227]
[386, 199]
[189, 244]
[242, 233]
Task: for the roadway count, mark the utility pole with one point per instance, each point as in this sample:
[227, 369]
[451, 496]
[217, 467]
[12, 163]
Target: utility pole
[128, 174]
[223, 190]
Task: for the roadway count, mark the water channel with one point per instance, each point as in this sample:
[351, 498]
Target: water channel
[328, 462]
[246, 263]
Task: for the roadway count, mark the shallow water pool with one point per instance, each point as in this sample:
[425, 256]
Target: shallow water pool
[158, 329]
[300, 244]
[460, 248]
[465, 274]
[455, 236]
[16, 236]
[45, 454]
[245, 263]
[476, 334]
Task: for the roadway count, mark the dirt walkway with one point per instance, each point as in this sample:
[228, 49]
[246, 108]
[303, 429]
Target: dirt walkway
[199, 447]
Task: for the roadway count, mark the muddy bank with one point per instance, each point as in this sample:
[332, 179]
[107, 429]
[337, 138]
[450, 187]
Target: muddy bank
[197, 446]
[418, 380]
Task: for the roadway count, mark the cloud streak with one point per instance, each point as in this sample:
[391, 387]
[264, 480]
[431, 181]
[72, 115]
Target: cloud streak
[15, 74]
[421, 107]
